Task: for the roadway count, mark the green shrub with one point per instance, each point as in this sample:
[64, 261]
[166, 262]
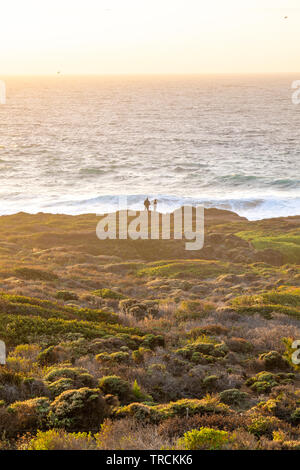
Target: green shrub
[190, 407]
[263, 382]
[204, 439]
[151, 341]
[274, 360]
[79, 376]
[139, 394]
[108, 294]
[181, 408]
[114, 385]
[35, 274]
[60, 386]
[28, 306]
[29, 415]
[266, 304]
[47, 356]
[295, 416]
[79, 410]
[201, 351]
[10, 377]
[193, 309]
[233, 396]
[136, 389]
[61, 440]
[66, 295]
[210, 381]
[198, 269]
[16, 329]
[140, 412]
[262, 426]
[139, 355]
[119, 357]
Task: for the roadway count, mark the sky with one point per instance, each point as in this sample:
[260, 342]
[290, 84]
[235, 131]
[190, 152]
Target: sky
[149, 36]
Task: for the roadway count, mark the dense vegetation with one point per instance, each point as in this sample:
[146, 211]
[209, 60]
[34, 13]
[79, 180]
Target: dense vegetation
[143, 345]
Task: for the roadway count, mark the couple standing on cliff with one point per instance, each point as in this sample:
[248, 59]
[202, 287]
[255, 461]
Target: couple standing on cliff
[147, 204]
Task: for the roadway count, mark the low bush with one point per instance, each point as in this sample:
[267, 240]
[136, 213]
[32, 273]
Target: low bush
[264, 381]
[119, 357]
[234, 397]
[61, 440]
[204, 439]
[184, 408]
[274, 360]
[78, 410]
[79, 376]
[35, 274]
[29, 415]
[66, 295]
[108, 294]
[115, 385]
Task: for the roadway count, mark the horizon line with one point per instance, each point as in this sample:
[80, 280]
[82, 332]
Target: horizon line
[145, 74]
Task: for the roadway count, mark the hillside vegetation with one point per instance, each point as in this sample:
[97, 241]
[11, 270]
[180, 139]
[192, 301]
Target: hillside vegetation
[122, 344]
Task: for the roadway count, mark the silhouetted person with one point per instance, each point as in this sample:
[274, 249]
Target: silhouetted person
[155, 204]
[147, 204]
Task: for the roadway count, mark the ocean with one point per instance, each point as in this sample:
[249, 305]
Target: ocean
[75, 144]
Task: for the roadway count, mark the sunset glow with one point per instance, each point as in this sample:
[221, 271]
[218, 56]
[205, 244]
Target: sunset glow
[133, 36]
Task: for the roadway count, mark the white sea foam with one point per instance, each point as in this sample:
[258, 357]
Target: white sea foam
[73, 145]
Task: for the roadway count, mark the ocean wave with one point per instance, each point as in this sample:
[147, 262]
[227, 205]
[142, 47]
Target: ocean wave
[218, 142]
[254, 181]
[251, 208]
[286, 183]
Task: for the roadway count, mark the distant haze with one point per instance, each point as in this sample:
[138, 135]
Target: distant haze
[149, 36]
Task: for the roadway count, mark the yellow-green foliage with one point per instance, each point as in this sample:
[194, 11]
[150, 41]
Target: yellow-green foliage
[233, 396]
[203, 348]
[264, 381]
[66, 295]
[28, 306]
[187, 407]
[199, 269]
[59, 386]
[16, 329]
[61, 440]
[193, 309]
[262, 425]
[184, 407]
[23, 358]
[148, 380]
[113, 358]
[30, 414]
[282, 301]
[140, 354]
[108, 294]
[35, 274]
[114, 385]
[287, 244]
[204, 439]
[79, 377]
[84, 409]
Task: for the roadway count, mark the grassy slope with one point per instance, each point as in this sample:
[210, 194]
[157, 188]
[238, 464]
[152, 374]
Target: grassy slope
[196, 322]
